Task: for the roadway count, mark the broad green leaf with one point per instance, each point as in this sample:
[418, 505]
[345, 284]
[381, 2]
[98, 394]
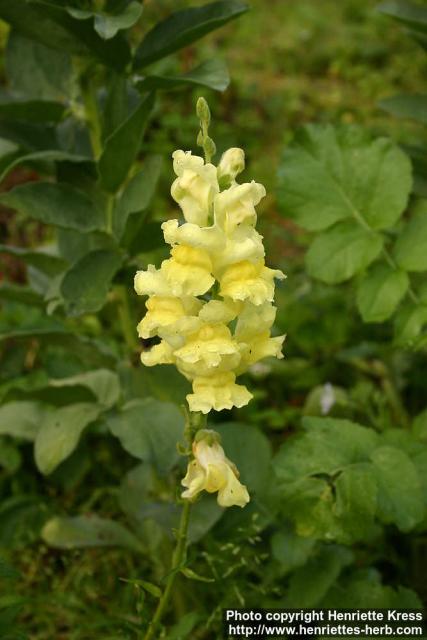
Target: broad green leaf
[400, 499]
[410, 250]
[205, 513]
[60, 433]
[184, 27]
[42, 260]
[419, 426]
[149, 430]
[88, 531]
[356, 501]
[73, 245]
[329, 174]
[108, 25]
[103, 383]
[137, 194]
[42, 156]
[411, 14]
[212, 74]
[257, 447]
[184, 627]
[86, 284]
[380, 291]
[10, 459]
[344, 250]
[363, 589]
[409, 324]
[30, 136]
[57, 204]
[122, 147]
[21, 419]
[35, 70]
[407, 106]
[326, 446]
[20, 293]
[30, 110]
[51, 25]
[310, 583]
[116, 108]
[291, 550]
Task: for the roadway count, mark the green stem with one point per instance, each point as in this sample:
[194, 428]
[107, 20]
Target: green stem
[193, 423]
[126, 321]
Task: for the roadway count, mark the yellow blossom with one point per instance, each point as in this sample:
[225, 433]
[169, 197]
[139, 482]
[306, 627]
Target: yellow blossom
[188, 272]
[249, 281]
[218, 391]
[195, 187]
[211, 471]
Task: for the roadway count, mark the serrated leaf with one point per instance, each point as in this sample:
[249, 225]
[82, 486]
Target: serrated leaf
[57, 204]
[184, 27]
[328, 174]
[341, 252]
[86, 284]
[407, 106]
[122, 146]
[400, 499]
[212, 74]
[410, 250]
[380, 292]
[149, 430]
[60, 433]
[88, 531]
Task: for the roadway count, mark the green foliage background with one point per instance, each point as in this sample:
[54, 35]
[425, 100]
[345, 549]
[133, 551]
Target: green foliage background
[333, 448]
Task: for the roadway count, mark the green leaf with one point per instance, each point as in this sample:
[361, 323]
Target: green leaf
[192, 575]
[122, 147]
[184, 27]
[10, 459]
[400, 499]
[43, 156]
[330, 174]
[51, 25]
[356, 500]
[380, 292]
[147, 586]
[30, 110]
[326, 446]
[20, 293]
[409, 323]
[149, 430]
[212, 74]
[21, 419]
[344, 250]
[116, 108]
[88, 531]
[407, 106]
[108, 25]
[309, 584]
[186, 624]
[411, 14]
[86, 284]
[410, 250]
[37, 71]
[60, 433]
[257, 447]
[46, 262]
[137, 194]
[104, 384]
[58, 204]
[291, 550]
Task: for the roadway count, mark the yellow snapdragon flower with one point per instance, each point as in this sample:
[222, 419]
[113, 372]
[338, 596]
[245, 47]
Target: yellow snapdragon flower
[211, 471]
[211, 302]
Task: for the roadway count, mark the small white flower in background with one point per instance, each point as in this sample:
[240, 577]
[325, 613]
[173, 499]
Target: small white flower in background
[327, 399]
[211, 471]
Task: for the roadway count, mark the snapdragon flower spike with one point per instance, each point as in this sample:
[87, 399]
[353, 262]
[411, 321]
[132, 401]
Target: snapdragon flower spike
[211, 302]
[211, 471]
